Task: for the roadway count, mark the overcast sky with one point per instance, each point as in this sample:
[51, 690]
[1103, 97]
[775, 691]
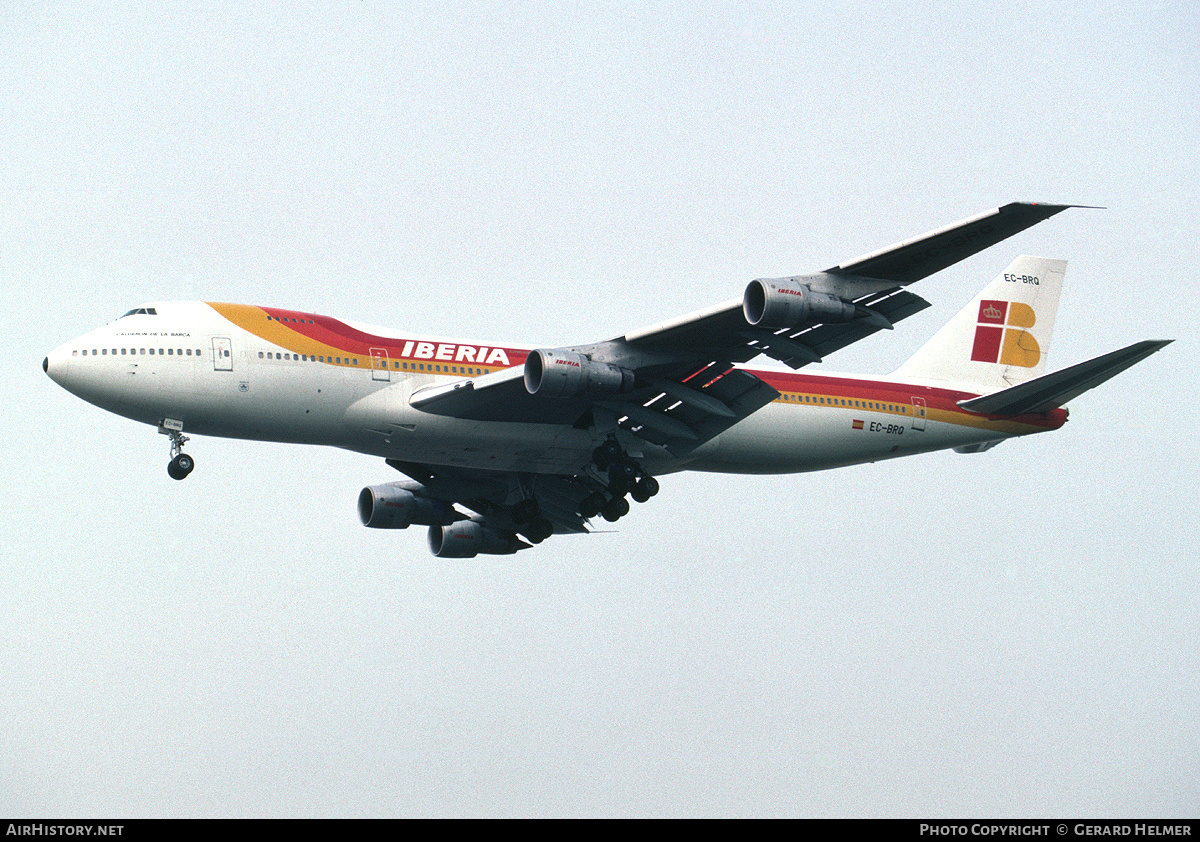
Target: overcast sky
[1011, 633]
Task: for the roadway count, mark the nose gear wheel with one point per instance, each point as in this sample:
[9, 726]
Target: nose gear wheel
[181, 464]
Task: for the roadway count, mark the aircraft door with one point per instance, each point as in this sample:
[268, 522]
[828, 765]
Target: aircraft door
[920, 413]
[379, 364]
[222, 353]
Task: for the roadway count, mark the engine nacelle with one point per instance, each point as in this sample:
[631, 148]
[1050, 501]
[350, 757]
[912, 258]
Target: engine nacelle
[469, 538]
[393, 506]
[551, 372]
[783, 302]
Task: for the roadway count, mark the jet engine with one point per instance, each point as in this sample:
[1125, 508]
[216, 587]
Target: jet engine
[557, 372]
[783, 302]
[395, 506]
[469, 538]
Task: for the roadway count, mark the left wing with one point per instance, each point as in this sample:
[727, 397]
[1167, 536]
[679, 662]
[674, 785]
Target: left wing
[873, 284]
[676, 384]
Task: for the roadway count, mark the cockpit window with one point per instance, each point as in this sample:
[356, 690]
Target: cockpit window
[141, 311]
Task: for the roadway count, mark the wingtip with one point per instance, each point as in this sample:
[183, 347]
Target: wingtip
[1053, 207]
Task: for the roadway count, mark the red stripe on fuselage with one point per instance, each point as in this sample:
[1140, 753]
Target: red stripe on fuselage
[337, 334]
[884, 391]
[330, 331]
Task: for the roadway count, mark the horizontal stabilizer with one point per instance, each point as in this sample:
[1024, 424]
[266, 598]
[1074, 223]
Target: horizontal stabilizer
[1053, 390]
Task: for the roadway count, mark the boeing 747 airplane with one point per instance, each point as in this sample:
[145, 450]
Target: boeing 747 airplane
[505, 445]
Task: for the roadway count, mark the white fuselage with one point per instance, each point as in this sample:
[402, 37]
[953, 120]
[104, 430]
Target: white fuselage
[280, 375]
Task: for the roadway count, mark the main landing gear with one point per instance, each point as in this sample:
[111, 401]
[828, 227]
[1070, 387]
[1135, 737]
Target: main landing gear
[625, 476]
[181, 464]
[531, 522]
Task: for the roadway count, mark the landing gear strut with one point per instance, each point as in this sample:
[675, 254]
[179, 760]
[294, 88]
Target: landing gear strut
[181, 464]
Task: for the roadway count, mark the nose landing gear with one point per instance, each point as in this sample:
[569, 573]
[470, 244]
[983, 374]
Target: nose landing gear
[181, 464]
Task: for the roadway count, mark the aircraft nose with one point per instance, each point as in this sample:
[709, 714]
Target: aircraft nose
[55, 365]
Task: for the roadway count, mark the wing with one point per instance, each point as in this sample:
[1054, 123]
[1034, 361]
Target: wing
[678, 405]
[873, 282]
[506, 504]
[676, 384]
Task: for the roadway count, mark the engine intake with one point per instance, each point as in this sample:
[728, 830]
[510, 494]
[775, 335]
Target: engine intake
[393, 506]
[783, 302]
[469, 538]
[556, 372]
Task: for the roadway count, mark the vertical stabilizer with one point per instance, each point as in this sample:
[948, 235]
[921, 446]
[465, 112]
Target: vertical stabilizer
[1002, 337]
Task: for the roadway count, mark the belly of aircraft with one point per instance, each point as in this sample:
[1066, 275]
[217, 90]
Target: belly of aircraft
[781, 439]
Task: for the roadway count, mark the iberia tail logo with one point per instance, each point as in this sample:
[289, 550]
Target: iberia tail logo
[1000, 335]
